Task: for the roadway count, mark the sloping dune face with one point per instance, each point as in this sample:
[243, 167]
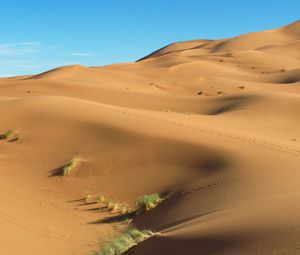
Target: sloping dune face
[211, 126]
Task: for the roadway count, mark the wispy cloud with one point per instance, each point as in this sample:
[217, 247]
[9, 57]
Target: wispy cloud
[81, 54]
[28, 57]
[18, 49]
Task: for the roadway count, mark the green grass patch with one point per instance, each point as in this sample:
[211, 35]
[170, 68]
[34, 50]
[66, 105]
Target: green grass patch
[148, 202]
[124, 242]
[11, 134]
[69, 169]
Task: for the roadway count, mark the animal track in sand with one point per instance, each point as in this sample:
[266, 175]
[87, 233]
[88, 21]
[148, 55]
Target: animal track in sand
[203, 187]
[211, 131]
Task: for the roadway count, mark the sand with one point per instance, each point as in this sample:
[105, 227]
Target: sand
[211, 125]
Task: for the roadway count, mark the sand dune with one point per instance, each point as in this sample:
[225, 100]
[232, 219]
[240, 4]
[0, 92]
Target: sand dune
[211, 125]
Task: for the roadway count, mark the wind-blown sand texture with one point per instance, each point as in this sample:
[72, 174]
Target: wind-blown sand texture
[211, 125]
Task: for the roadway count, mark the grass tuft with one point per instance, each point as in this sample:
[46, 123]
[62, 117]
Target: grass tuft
[148, 202]
[101, 200]
[116, 208]
[11, 134]
[110, 204]
[125, 210]
[69, 169]
[124, 242]
[87, 196]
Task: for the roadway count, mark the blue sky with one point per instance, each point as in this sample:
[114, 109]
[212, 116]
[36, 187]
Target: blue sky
[37, 35]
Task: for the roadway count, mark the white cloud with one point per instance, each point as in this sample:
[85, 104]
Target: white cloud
[81, 54]
[18, 49]
[30, 43]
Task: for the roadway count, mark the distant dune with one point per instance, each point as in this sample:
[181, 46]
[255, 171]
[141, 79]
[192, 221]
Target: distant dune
[211, 125]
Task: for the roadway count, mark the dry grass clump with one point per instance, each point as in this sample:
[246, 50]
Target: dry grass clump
[101, 200]
[112, 206]
[11, 135]
[125, 210]
[143, 204]
[148, 202]
[87, 196]
[124, 242]
[69, 169]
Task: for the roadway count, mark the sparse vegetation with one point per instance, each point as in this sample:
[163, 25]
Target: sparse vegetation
[116, 208]
[110, 204]
[101, 200]
[148, 202]
[241, 87]
[113, 207]
[126, 241]
[143, 204]
[10, 135]
[124, 210]
[87, 196]
[69, 169]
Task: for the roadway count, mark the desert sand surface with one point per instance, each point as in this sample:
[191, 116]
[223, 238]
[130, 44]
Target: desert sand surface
[213, 126]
